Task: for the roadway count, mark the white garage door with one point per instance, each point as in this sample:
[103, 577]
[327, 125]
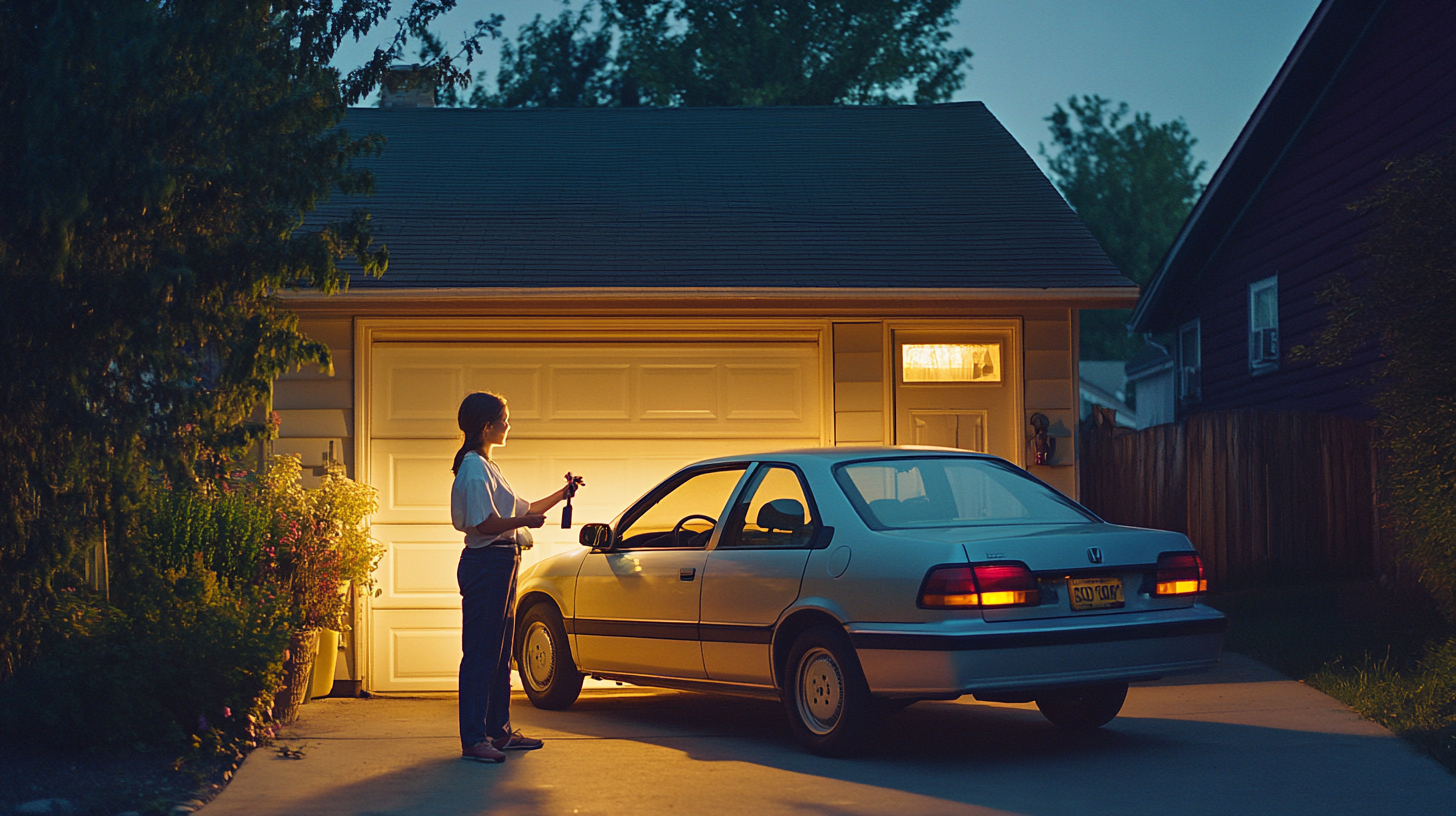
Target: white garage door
[623, 415]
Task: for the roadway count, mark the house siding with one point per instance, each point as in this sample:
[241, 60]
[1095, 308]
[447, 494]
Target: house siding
[315, 406]
[1392, 100]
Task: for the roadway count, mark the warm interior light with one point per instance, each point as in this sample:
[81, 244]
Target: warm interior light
[950, 362]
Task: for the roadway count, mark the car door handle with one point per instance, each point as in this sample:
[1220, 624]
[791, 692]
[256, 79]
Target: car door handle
[687, 573]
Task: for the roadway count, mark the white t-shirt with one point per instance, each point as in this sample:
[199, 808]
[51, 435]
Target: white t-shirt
[480, 491]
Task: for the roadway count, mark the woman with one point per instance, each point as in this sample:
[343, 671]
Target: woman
[485, 508]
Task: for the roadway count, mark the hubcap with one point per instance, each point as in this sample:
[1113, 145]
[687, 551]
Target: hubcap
[540, 654]
[821, 691]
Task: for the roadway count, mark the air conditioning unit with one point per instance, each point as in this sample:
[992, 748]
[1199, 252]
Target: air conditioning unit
[1266, 346]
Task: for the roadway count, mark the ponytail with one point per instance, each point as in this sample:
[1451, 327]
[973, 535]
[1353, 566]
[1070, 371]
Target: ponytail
[477, 411]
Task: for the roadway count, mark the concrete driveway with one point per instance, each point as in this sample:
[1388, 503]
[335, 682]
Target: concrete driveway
[1242, 740]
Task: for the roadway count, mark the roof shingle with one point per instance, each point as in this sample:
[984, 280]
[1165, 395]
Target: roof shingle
[923, 196]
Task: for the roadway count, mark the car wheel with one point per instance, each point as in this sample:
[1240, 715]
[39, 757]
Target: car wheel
[828, 702]
[1084, 708]
[544, 657]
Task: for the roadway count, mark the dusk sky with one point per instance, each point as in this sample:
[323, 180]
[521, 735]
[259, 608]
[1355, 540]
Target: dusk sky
[1207, 61]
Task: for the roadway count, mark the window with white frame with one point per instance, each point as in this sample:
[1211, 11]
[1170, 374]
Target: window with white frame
[1190, 363]
[1264, 325]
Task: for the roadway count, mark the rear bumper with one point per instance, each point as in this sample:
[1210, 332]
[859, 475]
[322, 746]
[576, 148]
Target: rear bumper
[965, 657]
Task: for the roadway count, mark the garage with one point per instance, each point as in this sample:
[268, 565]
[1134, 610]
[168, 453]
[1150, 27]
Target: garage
[625, 414]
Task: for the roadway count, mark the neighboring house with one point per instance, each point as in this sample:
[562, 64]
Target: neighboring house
[1367, 83]
[649, 287]
[1150, 379]
[1104, 383]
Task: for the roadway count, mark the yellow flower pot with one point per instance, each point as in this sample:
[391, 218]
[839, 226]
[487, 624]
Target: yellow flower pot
[325, 663]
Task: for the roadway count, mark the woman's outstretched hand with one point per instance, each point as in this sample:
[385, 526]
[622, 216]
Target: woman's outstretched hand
[534, 520]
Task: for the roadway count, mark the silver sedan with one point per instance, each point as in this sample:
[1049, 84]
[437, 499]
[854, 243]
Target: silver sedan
[851, 582]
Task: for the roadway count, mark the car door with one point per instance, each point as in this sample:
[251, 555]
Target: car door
[637, 604]
[753, 573]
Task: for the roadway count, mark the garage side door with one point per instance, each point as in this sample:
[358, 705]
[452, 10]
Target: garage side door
[623, 415]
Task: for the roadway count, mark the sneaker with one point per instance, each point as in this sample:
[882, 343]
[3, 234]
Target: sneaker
[516, 741]
[483, 752]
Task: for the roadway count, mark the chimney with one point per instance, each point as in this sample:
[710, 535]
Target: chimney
[407, 86]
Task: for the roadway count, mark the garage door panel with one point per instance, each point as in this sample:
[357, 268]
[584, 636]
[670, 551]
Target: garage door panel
[768, 392]
[520, 383]
[721, 390]
[418, 567]
[415, 650]
[590, 392]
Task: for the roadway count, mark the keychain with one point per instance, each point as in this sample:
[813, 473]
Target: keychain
[571, 484]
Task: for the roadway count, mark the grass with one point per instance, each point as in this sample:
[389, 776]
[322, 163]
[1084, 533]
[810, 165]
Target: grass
[1386, 653]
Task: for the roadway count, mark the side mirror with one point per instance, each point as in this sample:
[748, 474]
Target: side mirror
[597, 536]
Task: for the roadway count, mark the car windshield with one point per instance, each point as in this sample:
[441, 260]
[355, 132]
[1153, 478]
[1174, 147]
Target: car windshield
[950, 492]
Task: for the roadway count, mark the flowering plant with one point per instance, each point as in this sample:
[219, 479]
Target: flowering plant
[321, 540]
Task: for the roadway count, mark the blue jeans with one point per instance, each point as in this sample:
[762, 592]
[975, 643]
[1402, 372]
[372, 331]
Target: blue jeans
[487, 579]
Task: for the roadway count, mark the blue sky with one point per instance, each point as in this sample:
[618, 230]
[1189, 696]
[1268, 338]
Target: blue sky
[1206, 61]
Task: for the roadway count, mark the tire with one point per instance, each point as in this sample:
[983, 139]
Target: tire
[544, 658]
[825, 695]
[1084, 708]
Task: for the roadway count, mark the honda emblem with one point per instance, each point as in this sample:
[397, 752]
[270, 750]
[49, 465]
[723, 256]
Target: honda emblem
[1094, 554]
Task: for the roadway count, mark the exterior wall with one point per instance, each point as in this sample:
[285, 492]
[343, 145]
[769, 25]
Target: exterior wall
[860, 412]
[316, 408]
[1391, 101]
[1049, 347]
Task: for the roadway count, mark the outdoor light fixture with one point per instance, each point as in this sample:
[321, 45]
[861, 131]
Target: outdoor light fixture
[951, 362]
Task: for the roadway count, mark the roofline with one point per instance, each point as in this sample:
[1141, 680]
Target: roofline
[618, 300]
[1144, 313]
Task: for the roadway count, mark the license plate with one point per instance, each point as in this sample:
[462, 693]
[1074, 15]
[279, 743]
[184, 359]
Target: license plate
[1095, 593]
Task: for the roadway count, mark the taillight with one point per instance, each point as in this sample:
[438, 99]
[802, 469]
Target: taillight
[1180, 573]
[980, 586]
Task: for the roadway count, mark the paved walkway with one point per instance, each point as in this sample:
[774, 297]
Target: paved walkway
[1242, 740]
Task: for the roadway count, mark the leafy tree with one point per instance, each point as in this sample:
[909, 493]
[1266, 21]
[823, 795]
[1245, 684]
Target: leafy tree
[1133, 183]
[735, 52]
[1404, 308]
[555, 64]
[159, 160]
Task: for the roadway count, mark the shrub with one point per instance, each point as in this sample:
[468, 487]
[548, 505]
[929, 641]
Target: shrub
[192, 656]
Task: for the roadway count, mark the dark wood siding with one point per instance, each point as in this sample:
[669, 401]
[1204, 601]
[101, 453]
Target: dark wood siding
[1394, 98]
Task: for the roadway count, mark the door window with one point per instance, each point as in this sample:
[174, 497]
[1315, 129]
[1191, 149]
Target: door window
[684, 516]
[777, 512]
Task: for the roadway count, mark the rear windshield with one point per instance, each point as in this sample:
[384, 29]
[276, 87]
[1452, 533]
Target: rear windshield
[897, 494]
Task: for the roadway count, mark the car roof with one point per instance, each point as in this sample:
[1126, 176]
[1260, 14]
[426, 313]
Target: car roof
[842, 454]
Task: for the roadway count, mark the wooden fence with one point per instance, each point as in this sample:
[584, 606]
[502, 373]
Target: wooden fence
[1267, 498]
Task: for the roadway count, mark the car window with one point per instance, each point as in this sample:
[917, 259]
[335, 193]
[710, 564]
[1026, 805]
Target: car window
[684, 516]
[775, 513]
[950, 492]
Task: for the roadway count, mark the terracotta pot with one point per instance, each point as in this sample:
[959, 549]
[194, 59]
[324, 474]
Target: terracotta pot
[297, 666]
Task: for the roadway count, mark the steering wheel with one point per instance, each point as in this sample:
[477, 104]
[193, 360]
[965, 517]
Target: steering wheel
[684, 520]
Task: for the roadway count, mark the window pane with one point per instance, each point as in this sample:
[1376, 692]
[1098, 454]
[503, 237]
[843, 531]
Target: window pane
[778, 514]
[705, 494]
[907, 493]
[1266, 308]
[950, 362]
